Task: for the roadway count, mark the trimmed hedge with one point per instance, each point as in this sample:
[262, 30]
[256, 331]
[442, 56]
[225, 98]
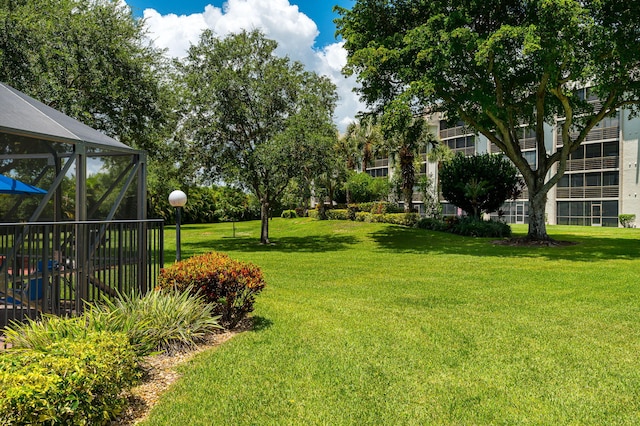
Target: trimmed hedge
[467, 226]
[70, 382]
[230, 285]
[338, 214]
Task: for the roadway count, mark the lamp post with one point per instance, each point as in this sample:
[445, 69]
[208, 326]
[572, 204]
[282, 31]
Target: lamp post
[178, 199]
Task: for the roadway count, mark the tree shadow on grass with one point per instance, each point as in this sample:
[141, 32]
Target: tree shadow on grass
[412, 240]
[261, 323]
[306, 244]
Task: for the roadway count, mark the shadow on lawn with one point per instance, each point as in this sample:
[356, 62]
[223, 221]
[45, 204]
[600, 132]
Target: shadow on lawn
[308, 244]
[411, 240]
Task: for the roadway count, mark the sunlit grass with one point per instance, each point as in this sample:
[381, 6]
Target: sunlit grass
[378, 324]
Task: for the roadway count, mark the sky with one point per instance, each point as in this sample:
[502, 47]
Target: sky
[304, 30]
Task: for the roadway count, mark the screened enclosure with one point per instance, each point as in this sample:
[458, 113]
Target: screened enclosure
[73, 226]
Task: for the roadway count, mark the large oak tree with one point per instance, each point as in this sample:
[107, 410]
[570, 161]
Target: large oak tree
[256, 120]
[498, 65]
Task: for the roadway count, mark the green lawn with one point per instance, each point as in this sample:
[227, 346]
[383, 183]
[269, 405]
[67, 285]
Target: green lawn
[382, 325]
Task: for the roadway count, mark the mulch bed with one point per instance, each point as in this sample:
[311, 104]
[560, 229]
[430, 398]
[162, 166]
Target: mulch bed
[526, 242]
[159, 372]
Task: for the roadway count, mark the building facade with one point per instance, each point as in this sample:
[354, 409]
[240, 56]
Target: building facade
[601, 182]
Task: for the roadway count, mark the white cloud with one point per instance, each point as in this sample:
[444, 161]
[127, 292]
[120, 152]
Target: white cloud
[278, 20]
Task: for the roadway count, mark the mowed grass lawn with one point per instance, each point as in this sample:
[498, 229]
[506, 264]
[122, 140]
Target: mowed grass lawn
[375, 324]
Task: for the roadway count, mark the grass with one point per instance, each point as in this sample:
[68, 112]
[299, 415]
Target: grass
[377, 324]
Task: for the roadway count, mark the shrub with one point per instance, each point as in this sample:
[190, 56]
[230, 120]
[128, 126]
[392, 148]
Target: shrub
[379, 207]
[404, 219]
[314, 214]
[338, 214]
[71, 381]
[289, 214]
[431, 224]
[159, 321]
[473, 227]
[626, 220]
[480, 183]
[230, 285]
[363, 217]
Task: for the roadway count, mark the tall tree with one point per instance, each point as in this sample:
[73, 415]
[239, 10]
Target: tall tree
[256, 120]
[498, 65]
[89, 59]
[407, 136]
[367, 136]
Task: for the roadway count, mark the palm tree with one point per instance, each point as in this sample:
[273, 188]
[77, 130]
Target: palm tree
[366, 135]
[439, 153]
[404, 145]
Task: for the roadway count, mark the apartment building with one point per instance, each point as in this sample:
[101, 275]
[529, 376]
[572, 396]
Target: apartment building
[601, 182]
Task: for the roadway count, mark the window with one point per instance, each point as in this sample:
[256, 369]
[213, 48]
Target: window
[564, 182]
[593, 179]
[593, 150]
[577, 180]
[610, 149]
[578, 154]
[610, 179]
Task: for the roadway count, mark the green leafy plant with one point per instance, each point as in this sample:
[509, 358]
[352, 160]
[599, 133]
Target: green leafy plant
[338, 214]
[289, 214]
[228, 284]
[479, 184]
[158, 321]
[626, 220]
[74, 380]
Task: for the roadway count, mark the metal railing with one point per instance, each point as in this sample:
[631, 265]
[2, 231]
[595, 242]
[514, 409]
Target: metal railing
[56, 267]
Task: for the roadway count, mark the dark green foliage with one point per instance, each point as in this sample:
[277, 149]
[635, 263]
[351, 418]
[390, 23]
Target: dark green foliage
[89, 59]
[73, 381]
[231, 286]
[467, 226]
[363, 188]
[207, 205]
[479, 184]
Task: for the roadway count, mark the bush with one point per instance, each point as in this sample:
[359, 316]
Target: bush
[363, 217]
[230, 285]
[338, 214]
[626, 220]
[431, 224]
[289, 214]
[404, 219]
[314, 214]
[71, 381]
[159, 321]
[472, 227]
[379, 207]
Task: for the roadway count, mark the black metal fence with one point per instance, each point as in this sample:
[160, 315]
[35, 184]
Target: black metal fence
[55, 267]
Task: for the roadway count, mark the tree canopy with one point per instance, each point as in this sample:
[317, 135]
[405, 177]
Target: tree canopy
[500, 65]
[89, 59]
[480, 183]
[256, 120]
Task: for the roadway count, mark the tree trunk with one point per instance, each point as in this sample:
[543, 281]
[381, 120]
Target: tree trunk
[537, 222]
[264, 219]
[408, 177]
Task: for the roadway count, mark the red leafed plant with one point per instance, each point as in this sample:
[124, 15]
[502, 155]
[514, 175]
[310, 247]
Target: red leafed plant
[230, 285]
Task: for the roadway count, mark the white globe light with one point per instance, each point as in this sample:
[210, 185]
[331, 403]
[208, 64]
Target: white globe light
[177, 198]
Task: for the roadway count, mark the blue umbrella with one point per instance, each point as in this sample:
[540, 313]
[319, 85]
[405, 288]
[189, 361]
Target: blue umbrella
[13, 186]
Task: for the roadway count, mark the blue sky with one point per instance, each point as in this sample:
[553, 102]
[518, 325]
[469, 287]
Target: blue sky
[320, 11]
[293, 24]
